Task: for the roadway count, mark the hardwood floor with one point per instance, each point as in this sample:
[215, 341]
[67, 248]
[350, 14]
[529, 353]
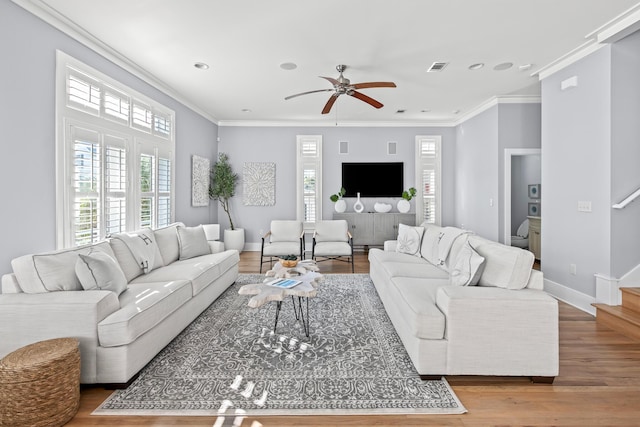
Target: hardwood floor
[598, 385]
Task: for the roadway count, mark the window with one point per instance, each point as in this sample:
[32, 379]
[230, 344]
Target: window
[309, 179]
[114, 157]
[428, 205]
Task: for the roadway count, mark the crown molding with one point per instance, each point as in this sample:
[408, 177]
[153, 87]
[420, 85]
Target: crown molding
[63, 24]
[493, 101]
[275, 123]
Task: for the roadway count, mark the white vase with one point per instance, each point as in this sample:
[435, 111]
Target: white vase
[234, 239]
[358, 206]
[404, 206]
[340, 206]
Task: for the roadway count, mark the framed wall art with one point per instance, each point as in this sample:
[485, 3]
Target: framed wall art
[199, 181]
[259, 184]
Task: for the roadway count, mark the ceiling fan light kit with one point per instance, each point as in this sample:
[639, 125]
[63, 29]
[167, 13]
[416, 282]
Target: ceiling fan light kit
[343, 86]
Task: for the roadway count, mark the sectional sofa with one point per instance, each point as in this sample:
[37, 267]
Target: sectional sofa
[124, 298]
[464, 305]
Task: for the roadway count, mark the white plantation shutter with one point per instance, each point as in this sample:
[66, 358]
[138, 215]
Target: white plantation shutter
[309, 179]
[428, 179]
[114, 157]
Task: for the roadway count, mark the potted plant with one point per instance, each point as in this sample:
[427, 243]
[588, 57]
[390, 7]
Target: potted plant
[340, 204]
[222, 187]
[403, 205]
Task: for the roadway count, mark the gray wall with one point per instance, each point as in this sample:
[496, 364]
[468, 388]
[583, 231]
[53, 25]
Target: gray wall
[278, 145]
[625, 154]
[479, 165]
[525, 170]
[476, 174]
[576, 166]
[27, 149]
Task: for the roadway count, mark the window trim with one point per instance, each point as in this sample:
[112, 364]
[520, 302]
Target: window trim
[300, 139]
[69, 114]
[420, 163]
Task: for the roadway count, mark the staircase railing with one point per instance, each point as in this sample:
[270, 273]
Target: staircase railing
[628, 200]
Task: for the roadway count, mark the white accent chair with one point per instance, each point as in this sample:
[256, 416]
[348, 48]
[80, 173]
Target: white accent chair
[521, 239]
[284, 238]
[332, 240]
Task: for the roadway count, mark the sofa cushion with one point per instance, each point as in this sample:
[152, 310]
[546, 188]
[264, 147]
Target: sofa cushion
[505, 266]
[468, 267]
[419, 270]
[167, 240]
[200, 271]
[409, 239]
[193, 242]
[419, 298]
[142, 306]
[429, 247]
[378, 255]
[53, 271]
[134, 249]
[99, 271]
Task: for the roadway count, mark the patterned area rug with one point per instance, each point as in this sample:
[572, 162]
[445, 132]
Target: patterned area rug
[353, 362]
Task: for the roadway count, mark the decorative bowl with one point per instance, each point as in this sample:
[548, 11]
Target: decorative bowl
[382, 207]
[288, 263]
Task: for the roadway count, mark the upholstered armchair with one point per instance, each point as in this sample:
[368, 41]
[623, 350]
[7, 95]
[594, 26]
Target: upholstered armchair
[332, 240]
[284, 238]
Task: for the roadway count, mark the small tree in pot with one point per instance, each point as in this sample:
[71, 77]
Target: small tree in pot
[222, 184]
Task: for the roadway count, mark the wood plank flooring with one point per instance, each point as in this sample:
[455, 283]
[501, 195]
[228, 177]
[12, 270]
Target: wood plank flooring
[598, 385]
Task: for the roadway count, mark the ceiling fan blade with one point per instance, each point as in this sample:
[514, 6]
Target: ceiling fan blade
[306, 93]
[365, 98]
[331, 80]
[330, 103]
[373, 84]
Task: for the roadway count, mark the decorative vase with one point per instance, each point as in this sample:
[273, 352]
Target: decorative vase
[358, 206]
[340, 206]
[404, 206]
[234, 239]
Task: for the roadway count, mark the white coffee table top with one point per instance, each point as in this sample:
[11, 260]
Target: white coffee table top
[265, 293]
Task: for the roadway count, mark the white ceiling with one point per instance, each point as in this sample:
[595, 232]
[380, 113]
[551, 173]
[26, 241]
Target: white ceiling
[245, 41]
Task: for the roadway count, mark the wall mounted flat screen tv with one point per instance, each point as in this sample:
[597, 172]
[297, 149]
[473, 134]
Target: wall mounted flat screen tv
[373, 179]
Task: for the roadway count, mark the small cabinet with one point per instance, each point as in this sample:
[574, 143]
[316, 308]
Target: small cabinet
[373, 229]
[534, 235]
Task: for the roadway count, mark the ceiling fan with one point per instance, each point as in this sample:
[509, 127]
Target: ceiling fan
[343, 86]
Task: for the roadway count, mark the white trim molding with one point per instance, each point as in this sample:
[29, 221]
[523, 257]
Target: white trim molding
[608, 288]
[570, 296]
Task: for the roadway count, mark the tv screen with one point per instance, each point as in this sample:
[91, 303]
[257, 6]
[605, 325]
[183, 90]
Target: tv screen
[373, 179]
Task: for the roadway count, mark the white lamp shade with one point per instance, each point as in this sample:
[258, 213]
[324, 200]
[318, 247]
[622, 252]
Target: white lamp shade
[212, 231]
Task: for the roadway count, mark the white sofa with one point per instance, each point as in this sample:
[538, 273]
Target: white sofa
[464, 305]
[129, 315]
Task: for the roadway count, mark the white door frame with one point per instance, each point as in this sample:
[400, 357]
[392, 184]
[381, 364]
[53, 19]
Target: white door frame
[508, 154]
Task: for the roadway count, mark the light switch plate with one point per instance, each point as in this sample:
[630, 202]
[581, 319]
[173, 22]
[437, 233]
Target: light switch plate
[584, 206]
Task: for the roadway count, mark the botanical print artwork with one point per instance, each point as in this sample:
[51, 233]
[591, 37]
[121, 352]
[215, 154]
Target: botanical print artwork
[259, 184]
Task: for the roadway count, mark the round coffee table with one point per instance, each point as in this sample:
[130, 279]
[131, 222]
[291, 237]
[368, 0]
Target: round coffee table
[263, 293]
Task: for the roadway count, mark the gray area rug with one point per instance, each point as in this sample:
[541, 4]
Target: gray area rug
[229, 359]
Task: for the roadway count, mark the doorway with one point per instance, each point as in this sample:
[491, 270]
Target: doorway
[522, 167]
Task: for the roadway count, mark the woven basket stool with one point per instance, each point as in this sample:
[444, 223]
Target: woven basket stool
[40, 384]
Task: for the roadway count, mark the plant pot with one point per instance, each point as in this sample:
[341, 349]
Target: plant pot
[234, 239]
[340, 206]
[404, 206]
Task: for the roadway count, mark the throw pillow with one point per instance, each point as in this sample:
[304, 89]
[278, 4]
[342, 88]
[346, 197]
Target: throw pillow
[468, 267]
[193, 242]
[409, 239]
[98, 271]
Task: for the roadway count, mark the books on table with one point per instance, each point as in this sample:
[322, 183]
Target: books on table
[284, 283]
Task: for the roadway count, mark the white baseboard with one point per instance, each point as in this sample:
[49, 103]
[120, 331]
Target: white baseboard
[252, 247]
[571, 296]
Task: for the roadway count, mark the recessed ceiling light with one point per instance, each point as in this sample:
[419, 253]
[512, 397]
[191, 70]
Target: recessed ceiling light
[425, 111]
[400, 111]
[288, 66]
[503, 66]
[201, 66]
[245, 110]
[476, 66]
[525, 67]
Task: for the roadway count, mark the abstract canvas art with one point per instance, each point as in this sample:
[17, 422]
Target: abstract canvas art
[199, 181]
[259, 184]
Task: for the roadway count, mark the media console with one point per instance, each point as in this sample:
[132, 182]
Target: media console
[373, 229]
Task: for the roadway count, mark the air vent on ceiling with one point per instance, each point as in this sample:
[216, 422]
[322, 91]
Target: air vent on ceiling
[437, 66]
